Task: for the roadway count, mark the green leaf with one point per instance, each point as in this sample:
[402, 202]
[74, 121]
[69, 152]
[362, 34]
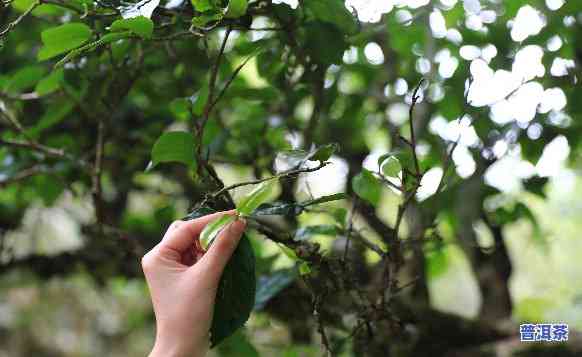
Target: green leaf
[207, 17]
[271, 285]
[212, 229]
[333, 12]
[174, 146]
[367, 187]
[235, 297]
[437, 262]
[48, 187]
[200, 99]
[237, 345]
[340, 215]
[391, 167]
[290, 253]
[42, 10]
[141, 26]
[254, 199]
[58, 40]
[108, 38]
[404, 157]
[324, 199]
[278, 209]
[203, 5]
[304, 268]
[181, 108]
[325, 43]
[54, 114]
[236, 8]
[323, 153]
[24, 78]
[50, 84]
[536, 185]
[294, 208]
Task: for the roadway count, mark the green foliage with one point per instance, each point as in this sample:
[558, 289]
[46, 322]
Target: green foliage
[60, 39]
[24, 78]
[174, 146]
[203, 5]
[257, 196]
[292, 209]
[236, 8]
[391, 167]
[206, 18]
[367, 187]
[324, 42]
[200, 100]
[323, 153]
[212, 229]
[50, 83]
[333, 12]
[237, 345]
[141, 26]
[235, 297]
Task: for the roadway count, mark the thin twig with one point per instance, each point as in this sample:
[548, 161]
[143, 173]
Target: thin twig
[229, 82]
[207, 109]
[255, 182]
[320, 325]
[13, 24]
[415, 98]
[59, 153]
[394, 260]
[368, 244]
[22, 175]
[350, 228]
[211, 88]
[449, 157]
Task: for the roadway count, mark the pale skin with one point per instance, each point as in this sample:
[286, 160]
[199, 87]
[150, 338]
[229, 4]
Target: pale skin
[183, 280]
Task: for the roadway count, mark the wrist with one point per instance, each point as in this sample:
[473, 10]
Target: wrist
[176, 345]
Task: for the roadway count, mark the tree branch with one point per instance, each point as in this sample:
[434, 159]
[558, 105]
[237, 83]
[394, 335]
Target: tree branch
[13, 24]
[49, 151]
[23, 175]
[255, 182]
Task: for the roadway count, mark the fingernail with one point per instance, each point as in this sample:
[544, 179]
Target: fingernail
[238, 226]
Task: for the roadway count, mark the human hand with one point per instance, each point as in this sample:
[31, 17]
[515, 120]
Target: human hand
[183, 280]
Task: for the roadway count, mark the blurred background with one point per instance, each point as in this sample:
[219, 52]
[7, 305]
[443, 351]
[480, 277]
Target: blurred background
[501, 90]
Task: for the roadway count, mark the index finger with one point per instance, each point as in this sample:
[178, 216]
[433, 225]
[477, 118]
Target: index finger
[184, 235]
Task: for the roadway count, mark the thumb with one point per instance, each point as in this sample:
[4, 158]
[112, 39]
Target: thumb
[222, 248]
